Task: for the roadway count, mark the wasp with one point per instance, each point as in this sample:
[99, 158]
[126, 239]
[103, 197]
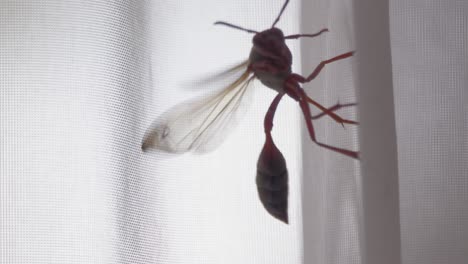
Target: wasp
[199, 125]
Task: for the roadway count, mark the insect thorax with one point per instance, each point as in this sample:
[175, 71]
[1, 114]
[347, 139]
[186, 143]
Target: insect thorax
[270, 79]
[272, 57]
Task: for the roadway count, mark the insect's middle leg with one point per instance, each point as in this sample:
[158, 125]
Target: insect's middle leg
[296, 36]
[317, 70]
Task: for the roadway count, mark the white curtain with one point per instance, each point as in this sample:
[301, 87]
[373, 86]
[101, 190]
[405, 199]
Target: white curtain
[80, 82]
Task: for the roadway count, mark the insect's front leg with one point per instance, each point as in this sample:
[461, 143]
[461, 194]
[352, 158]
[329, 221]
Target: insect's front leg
[266, 53]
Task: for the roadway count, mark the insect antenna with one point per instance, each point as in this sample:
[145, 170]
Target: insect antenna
[296, 36]
[281, 12]
[234, 26]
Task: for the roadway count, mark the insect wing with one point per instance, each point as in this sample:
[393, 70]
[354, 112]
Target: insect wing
[226, 74]
[200, 125]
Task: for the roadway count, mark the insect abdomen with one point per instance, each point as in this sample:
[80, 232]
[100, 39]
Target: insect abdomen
[272, 181]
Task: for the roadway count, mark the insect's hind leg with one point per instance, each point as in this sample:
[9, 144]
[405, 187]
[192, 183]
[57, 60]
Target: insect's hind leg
[298, 94]
[268, 122]
[334, 108]
[326, 111]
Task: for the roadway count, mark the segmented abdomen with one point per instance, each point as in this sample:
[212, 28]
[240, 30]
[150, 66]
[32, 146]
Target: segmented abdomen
[272, 181]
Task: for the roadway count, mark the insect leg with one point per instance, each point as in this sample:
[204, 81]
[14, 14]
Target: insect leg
[317, 70]
[333, 109]
[291, 84]
[296, 36]
[335, 117]
[268, 122]
[295, 91]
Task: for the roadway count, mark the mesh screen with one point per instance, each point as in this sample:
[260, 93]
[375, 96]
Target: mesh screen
[429, 47]
[80, 83]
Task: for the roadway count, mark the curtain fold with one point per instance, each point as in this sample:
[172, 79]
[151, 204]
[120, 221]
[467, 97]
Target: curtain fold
[330, 184]
[380, 222]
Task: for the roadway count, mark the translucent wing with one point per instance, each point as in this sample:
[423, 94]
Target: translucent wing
[199, 125]
[226, 73]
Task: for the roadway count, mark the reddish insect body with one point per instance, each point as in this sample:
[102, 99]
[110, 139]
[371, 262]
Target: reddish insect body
[270, 61]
